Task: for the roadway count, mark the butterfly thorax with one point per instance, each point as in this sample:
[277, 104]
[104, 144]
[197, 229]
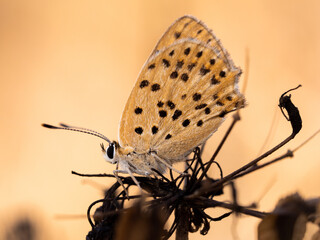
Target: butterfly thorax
[129, 160]
[140, 163]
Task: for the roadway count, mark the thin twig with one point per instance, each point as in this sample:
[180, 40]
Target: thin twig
[205, 203]
[236, 118]
[257, 167]
[92, 175]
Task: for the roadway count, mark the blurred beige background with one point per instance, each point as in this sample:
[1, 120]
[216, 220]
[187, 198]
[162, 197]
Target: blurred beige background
[76, 62]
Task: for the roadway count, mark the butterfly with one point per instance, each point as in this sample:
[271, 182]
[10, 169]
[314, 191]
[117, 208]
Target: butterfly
[181, 97]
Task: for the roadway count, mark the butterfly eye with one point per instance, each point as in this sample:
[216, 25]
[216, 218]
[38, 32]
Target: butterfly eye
[110, 151]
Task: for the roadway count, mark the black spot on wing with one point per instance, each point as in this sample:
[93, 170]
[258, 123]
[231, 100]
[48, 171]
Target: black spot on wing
[152, 66]
[196, 97]
[166, 63]
[186, 122]
[138, 130]
[177, 113]
[222, 74]
[160, 104]
[180, 64]
[144, 83]
[203, 105]
[214, 81]
[162, 113]
[204, 71]
[191, 66]
[154, 129]
[199, 54]
[171, 105]
[155, 87]
[229, 98]
[219, 103]
[168, 136]
[138, 110]
[174, 75]
[199, 123]
[177, 35]
[184, 77]
[187, 51]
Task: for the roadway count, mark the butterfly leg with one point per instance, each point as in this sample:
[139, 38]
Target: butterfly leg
[168, 165]
[115, 172]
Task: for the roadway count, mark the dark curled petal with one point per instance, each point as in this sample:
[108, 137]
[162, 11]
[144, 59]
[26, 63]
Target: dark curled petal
[221, 217]
[293, 112]
[206, 227]
[196, 220]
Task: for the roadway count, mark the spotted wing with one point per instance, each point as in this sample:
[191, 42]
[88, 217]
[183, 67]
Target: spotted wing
[179, 100]
[190, 27]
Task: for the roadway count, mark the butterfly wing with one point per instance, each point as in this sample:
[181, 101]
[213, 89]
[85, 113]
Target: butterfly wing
[190, 27]
[180, 97]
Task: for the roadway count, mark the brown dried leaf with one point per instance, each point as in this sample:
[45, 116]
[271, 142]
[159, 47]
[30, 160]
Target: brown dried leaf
[140, 223]
[288, 220]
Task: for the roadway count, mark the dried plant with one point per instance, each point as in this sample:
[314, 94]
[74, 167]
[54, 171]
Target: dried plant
[187, 196]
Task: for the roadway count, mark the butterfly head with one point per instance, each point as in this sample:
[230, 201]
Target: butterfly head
[110, 153]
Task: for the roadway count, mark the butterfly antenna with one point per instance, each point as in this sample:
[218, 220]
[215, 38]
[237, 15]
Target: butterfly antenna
[76, 129]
